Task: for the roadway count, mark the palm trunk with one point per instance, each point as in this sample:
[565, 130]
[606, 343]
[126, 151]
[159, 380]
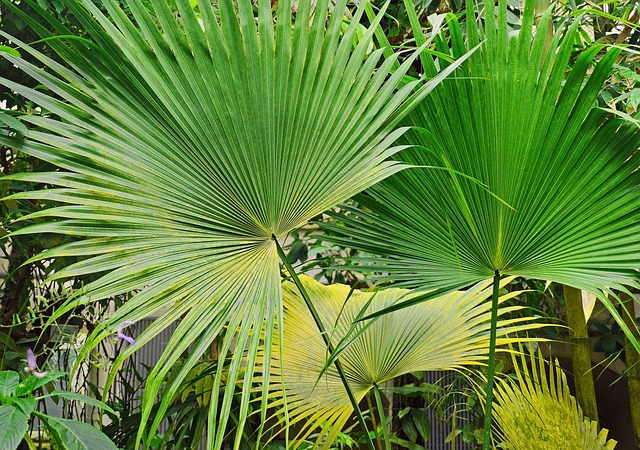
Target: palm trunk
[581, 353]
[633, 368]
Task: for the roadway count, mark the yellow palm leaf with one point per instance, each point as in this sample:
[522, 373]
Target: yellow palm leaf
[448, 332]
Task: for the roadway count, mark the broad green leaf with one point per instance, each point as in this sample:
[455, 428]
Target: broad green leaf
[446, 333]
[75, 435]
[9, 381]
[80, 398]
[31, 383]
[26, 405]
[410, 430]
[14, 424]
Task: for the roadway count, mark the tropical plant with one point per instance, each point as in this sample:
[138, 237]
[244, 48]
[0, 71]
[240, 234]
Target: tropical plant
[558, 150]
[186, 419]
[188, 143]
[563, 172]
[23, 281]
[447, 333]
[18, 401]
[535, 411]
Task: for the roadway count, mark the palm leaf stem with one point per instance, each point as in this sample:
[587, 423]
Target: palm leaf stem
[373, 419]
[491, 370]
[383, 420]
[325, 337]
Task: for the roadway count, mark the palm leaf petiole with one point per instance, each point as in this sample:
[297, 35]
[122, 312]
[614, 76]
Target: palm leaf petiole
[327, 340]
[383, 420]
[491, 369]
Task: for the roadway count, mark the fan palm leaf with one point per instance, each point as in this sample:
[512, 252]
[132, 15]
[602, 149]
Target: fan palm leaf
[511, 119]
[565, 170]
[188, 141]
[536, 411]
[447, 333]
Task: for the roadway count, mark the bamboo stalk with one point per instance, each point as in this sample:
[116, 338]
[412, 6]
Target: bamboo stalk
[580, 353]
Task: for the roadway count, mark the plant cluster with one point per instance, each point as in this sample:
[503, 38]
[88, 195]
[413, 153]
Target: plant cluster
[161, 156]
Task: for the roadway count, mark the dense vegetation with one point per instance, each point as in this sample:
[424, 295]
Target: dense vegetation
[186, 161]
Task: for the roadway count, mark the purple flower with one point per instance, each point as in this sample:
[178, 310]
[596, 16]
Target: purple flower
[32, 365]
[123, 336]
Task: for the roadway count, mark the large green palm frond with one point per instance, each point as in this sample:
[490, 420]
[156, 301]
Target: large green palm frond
[447, 333]
[565, 170]
[536, 411]
[187, 141]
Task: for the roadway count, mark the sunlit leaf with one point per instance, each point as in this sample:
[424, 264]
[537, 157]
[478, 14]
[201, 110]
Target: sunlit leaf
[186, 144]
[449, 332]
[537, 412]
[514, 120]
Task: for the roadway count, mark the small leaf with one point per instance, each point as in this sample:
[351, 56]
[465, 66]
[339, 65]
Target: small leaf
[74, 435]
[32, 383]
[26, 405]
[80, 398]
[9, 382]
[607, 97]
[298, 252]
[404, 412]
[410, 430]
[588, 303]
[451, 437]
[10, 51]
[421, 422]
[13, 123]
[627, 72]
[454, 434]
[14, 424]
[406, 444]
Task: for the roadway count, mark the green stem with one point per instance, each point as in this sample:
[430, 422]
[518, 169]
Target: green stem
[373, 421]
[491, 370]
[454, 426]
[383, 420]
[327, 341]
[29, 441]
[580, 353]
